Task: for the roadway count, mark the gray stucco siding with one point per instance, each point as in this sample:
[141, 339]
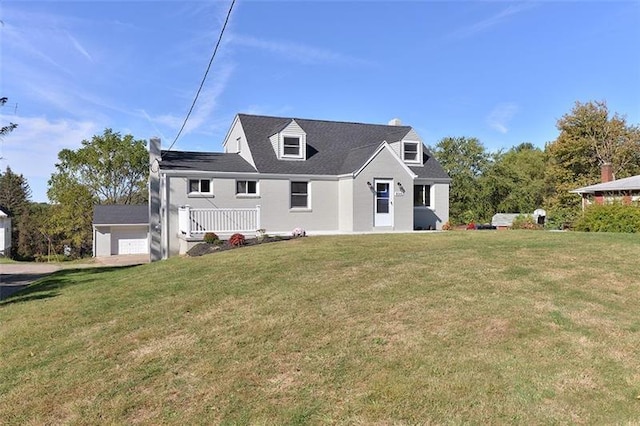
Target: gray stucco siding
[102, 241]
[435, 216]
[273, 196]
[441, 203]
[345, 204]
[384, 166]
[278, 216]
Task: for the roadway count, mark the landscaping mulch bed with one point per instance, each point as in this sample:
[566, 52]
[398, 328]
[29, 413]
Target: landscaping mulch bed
[206, 248]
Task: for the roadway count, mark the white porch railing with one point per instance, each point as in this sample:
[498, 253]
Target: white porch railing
[200, 221]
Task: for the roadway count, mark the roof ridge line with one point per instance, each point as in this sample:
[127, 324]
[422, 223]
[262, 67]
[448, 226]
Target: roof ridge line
[324, 120]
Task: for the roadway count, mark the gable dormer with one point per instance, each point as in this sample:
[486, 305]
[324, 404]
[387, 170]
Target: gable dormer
[290, 143]
[410, 149]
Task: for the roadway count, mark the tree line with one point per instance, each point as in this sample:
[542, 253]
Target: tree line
[113, 169]
[524, 178]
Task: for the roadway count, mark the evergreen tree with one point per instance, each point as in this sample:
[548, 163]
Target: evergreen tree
[15, 194]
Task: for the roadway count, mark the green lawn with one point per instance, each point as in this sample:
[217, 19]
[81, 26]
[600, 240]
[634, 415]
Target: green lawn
[459, 327]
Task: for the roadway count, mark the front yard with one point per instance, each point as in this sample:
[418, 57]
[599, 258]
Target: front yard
[458, 327]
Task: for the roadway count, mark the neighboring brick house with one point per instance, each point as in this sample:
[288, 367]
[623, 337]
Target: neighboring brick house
[625, 190]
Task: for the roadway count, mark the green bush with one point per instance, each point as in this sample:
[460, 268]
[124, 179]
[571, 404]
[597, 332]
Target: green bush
[525, 221]
[211, 238]
[561, 218]
[609, 218]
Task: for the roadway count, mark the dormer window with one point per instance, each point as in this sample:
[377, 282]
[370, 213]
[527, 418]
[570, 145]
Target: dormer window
[410, 152]
[290, 143]
[292, 146]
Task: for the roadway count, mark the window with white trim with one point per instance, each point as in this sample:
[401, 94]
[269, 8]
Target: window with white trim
[200, 186]
[299, 195]
[292, 146]
[246, 187]
[410, 152]
[422, 195]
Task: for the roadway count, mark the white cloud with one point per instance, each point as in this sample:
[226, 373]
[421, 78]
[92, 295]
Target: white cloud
[297, 52]
[32, 149]
[492, 21]
[202, 117]
[76, 44]
[501, 115]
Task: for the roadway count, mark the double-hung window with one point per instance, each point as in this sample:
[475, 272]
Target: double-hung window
[422, 195]
[291, 146]
[246, 187]
[411, 152]
[299, 195]
[200, 186]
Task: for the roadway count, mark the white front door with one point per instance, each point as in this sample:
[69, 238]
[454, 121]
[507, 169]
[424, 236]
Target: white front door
[383, 203]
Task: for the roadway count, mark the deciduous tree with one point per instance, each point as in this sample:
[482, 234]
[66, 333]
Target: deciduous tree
[9, 127]
[108, 169]
[589, 137]
[465, 160]
[514, 183]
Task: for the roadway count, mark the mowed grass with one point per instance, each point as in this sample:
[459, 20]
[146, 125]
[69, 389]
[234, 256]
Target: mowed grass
[459, 327]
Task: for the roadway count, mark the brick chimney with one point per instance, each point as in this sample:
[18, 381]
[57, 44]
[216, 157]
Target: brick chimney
[606, 172]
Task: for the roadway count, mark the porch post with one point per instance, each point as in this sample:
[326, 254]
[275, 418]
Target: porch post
[258, 225]
[184, 220]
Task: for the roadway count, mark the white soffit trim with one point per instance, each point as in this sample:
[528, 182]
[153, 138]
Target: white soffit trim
[385, 145]
[245, 175]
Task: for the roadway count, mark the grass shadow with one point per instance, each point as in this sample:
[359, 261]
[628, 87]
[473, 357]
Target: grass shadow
[52, 284]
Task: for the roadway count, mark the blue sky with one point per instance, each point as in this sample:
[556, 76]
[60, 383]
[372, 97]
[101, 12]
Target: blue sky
[503, 72]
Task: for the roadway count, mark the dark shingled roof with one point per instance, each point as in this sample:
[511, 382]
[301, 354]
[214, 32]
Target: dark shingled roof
[431, 169]
[121, 214]
[204, 161]
[333, 148]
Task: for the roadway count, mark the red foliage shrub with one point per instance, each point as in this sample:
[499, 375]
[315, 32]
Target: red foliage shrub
[237, 240]
[471, 226]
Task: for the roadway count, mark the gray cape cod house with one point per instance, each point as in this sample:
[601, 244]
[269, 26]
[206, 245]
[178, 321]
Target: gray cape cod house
[282, 173]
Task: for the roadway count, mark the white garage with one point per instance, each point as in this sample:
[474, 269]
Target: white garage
[120, 230]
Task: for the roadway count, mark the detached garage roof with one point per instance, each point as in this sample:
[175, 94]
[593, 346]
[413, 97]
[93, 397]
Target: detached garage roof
[121, 214]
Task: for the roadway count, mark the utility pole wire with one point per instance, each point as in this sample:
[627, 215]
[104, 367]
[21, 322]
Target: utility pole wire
[195, 99]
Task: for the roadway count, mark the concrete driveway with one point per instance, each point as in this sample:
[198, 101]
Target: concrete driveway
[16, 276]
